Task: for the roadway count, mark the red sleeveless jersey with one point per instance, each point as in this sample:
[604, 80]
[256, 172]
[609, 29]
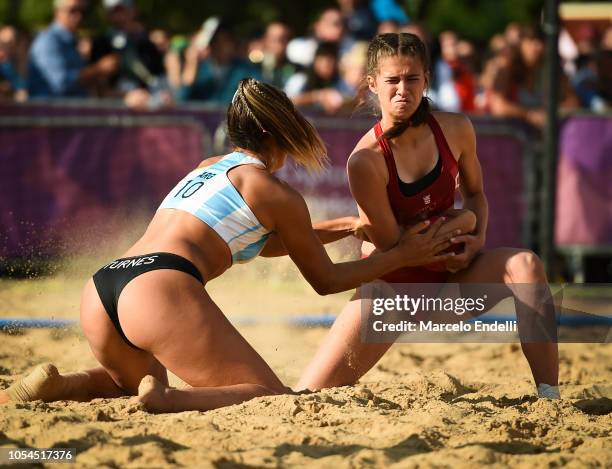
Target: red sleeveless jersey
[430, 202]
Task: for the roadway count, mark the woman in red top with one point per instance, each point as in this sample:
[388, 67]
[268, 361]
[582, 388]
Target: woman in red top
[405, 169]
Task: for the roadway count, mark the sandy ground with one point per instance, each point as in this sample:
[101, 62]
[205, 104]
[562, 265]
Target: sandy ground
[423, 405]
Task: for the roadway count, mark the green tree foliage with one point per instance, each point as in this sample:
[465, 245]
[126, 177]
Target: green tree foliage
[474, 19]
[177, 16]
[247, 15]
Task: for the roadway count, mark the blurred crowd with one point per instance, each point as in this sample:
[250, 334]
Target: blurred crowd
[152, 69]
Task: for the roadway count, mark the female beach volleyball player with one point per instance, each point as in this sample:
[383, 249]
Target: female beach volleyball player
[148, 312]
[407, 168]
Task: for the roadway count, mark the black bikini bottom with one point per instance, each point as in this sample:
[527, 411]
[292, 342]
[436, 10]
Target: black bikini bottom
[111, 279]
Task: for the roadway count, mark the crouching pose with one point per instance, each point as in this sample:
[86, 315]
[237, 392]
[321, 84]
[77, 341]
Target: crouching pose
[407, 168]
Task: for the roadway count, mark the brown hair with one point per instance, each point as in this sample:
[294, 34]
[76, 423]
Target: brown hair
[258, 109]
[391, 45]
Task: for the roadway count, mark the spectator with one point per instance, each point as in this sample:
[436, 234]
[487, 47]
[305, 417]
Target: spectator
[318, 86]
[513, 82]
[353, 68]
[8, 37]
[16, 47]
[497, 43]
[606, 44]
[172, 49]
[358, 19]
[84, 45]
[387, 26]
[388, 10]
[585, 77]
[513, 34]
[418, 30]
[532, 90]
[276, 68]
[329, 27]
[174, 63]
[140, 80]
[213, 67]
[12, 85]
[455, 84]
[568, 52]
[466, 53]
[161, 40]
[500, 81]
[253, 47]
[603, 100]
[55, 68]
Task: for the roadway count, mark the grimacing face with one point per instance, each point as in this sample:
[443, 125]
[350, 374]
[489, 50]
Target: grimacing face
[399, 84]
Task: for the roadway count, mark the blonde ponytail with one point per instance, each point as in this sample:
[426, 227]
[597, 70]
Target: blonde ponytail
[257, 108]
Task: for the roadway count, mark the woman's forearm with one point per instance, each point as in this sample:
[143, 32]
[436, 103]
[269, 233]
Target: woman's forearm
[189, 72]
[329, 231]
[347, 275]
[478, 204]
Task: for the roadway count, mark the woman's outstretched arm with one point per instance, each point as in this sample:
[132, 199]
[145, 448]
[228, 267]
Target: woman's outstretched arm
[292, 223]
[327, 231]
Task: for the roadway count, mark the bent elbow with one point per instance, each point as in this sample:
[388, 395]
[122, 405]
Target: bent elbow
[324, 287]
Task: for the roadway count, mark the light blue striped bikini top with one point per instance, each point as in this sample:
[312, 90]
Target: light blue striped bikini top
[208, 194]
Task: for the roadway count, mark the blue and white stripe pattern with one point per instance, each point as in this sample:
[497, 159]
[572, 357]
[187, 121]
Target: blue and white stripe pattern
[208, 194]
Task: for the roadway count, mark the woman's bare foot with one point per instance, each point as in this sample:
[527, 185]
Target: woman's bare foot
[154, 395]
[44, 383]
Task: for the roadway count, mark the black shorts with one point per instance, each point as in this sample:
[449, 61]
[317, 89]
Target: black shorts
[111, 279]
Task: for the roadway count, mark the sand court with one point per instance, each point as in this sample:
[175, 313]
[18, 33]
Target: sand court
[422, 405]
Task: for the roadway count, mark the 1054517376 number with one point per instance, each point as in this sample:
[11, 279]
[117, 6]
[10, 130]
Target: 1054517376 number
[34, 455]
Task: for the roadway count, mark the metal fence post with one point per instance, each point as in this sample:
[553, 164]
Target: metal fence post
[551, 135]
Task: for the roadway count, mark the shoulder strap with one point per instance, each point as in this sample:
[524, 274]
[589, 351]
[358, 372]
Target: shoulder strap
[235, 159]
[441, 143]
[246, 159]
[388, 154]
